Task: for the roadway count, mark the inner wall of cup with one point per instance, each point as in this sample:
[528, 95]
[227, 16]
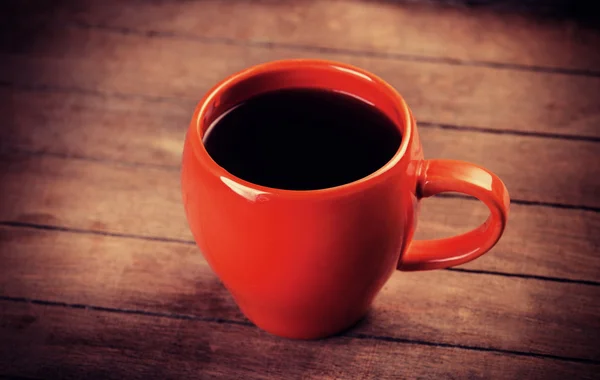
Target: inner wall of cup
[324, 77]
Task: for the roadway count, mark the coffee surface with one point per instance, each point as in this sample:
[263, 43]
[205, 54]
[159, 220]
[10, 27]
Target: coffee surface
[302, 139]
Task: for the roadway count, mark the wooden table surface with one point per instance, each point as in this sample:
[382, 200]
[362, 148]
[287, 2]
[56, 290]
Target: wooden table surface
[100, 277]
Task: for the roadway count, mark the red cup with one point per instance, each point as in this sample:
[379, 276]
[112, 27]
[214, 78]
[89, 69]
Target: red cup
[308, 264]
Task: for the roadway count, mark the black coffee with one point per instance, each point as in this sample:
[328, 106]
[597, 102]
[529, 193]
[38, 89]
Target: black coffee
[302, 139]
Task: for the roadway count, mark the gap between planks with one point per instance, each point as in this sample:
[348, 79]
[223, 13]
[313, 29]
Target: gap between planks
[104, 161]
[191, 242]
[173, 99]
[249, 324]
[522, 39]
[335, 51]
[556, 109]
[174, 349]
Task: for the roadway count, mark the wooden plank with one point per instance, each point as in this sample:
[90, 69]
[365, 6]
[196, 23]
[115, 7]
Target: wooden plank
[91, 125]
[442, 307]
[134, 130]
[480, 97]
[459, 35]
[53, 342]
[144, 201]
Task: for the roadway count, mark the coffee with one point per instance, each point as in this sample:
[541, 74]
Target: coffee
[302, 139]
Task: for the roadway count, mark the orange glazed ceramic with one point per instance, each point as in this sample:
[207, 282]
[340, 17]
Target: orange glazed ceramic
[308, 264]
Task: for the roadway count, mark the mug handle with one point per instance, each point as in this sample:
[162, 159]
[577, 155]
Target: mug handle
[438, 176]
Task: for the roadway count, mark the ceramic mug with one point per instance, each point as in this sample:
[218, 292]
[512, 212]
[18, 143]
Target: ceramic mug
[308, 264]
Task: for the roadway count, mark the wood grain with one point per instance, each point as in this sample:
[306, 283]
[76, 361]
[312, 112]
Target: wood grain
[47, 341]
[88, 125]
[143, 131]
[146, 201]
[480, 97]
[442, 307]
[458, 35]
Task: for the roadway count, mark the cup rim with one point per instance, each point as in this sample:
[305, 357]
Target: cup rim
[255, 191]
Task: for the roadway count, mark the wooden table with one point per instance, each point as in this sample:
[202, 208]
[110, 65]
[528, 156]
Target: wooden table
[100, 277]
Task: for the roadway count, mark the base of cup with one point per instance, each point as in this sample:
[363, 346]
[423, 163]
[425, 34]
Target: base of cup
[301, 329]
